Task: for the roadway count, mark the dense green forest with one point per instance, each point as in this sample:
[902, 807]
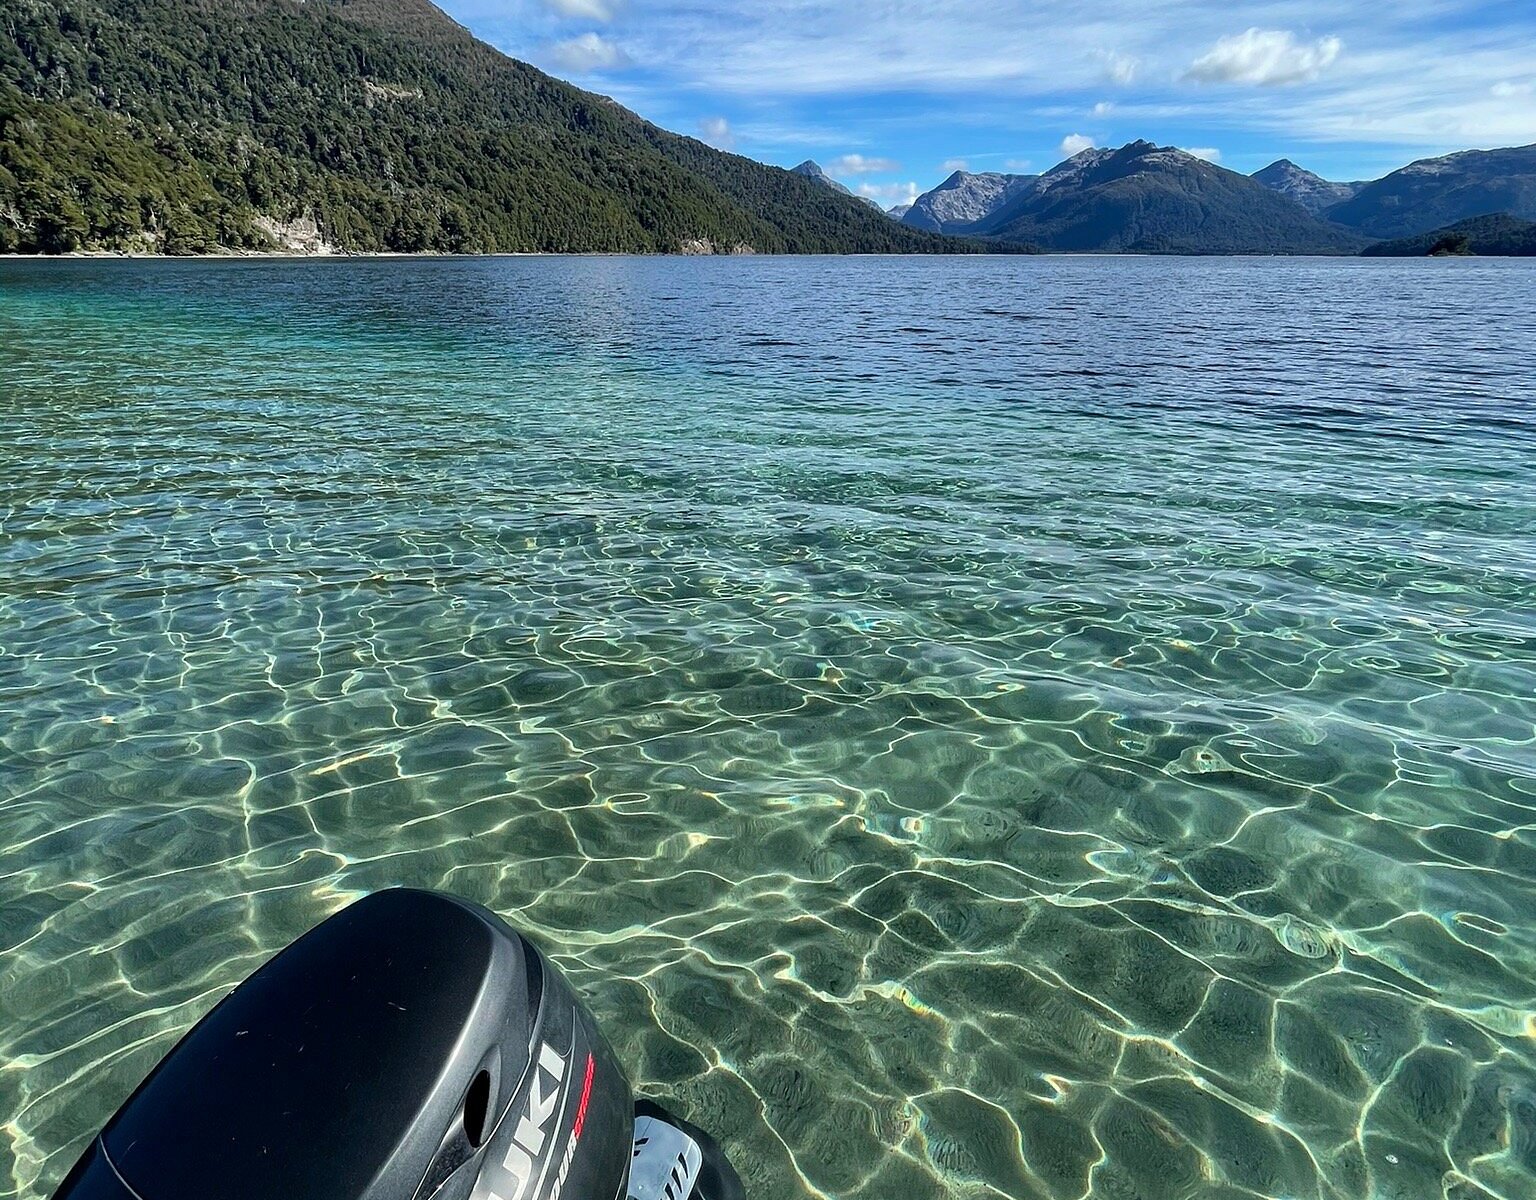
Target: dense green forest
[186, 126]
[1499, 234]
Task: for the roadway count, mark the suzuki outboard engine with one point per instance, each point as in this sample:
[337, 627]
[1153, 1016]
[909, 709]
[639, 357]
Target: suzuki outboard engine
[412, 1047]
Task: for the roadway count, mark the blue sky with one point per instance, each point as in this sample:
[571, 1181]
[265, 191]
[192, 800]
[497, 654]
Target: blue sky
[892, 95]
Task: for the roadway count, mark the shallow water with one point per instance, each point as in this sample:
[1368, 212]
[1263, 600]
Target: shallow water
[1030, 728]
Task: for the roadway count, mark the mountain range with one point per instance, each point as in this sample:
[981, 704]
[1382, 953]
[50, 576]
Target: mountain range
[1140, 198]
[187, 126]
[1148, 198]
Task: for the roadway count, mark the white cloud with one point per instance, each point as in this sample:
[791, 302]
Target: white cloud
[587, 53]
[890, 193]
[1508, 89]
[828, 47]
[1076, 143]
[586, 10]
[1411, 74]
[954, 164]
[717, 132]
[857, 164]
[1454, 108]
[1017, 164]
[1122, 68]
[1103, 108]
[1209, 153]
[798, 136]
[1265, 57]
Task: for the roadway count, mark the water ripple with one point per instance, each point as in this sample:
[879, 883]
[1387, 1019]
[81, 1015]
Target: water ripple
[1031, 728]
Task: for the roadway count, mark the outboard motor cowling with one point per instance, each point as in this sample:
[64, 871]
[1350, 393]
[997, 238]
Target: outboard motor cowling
[412, 1047]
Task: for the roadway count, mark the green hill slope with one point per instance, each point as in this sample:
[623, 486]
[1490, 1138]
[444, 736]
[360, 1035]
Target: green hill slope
[184, 126]
[1500, 234]
[1435, 192]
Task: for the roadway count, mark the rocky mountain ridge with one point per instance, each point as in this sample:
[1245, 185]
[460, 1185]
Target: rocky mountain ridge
[813, 170]
[1310, 190]
[1142, 198]
[965, 201]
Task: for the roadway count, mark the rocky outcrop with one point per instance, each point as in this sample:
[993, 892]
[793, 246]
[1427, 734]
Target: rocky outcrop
[302, 235]
[385, 93]
[703, 247]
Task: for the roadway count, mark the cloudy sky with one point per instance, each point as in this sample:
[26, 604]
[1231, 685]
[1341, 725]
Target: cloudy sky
[892, 95]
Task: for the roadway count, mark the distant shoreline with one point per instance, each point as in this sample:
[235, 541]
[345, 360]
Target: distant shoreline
[235, 256]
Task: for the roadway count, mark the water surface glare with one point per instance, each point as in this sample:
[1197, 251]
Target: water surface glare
[1043, 729]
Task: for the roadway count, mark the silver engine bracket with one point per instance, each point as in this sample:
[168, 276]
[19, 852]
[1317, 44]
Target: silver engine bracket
[666, 1163]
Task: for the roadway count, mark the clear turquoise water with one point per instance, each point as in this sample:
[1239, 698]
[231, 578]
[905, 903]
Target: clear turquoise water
[1032, 728]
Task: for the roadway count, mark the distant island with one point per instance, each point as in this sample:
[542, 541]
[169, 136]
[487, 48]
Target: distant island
[366, 126]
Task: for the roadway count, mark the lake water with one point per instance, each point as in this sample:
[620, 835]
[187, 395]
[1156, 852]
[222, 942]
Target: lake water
[1039, 728]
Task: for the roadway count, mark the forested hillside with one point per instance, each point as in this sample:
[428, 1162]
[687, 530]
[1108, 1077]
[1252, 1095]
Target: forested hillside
[1497, 235]
[1435, 192]
[185, 126]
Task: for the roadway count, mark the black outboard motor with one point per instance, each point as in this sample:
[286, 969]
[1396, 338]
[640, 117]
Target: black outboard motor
[412, 1047]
